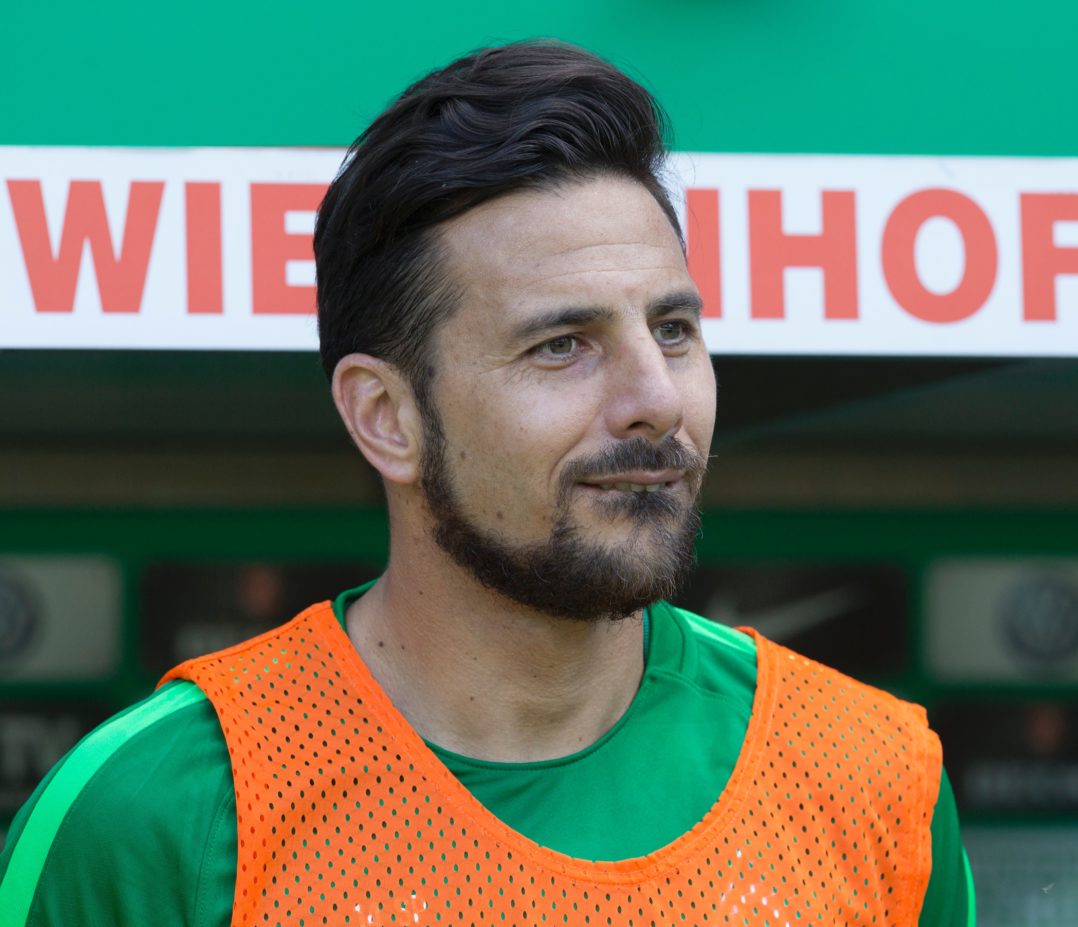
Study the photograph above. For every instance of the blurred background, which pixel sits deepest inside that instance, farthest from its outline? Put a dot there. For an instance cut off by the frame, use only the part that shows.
(909, 516)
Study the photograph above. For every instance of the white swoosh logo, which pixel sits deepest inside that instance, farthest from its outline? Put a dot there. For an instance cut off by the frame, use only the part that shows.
(787, 620)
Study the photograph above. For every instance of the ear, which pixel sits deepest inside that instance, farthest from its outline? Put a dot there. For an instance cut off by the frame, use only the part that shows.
(378, 408)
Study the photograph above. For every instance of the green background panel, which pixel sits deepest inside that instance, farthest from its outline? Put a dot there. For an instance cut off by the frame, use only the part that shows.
(137, 539)
(918, 76)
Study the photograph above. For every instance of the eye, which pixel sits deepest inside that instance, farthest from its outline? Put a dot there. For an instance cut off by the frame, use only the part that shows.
(672, 332)
(562, 346)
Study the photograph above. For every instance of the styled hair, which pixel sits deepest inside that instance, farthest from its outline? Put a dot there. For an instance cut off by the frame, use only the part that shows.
(527, 115)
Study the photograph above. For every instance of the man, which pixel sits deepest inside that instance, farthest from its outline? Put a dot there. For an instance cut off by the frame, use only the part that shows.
(509, 725)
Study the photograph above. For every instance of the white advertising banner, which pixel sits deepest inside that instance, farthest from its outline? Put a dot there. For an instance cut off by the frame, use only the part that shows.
(210, 248)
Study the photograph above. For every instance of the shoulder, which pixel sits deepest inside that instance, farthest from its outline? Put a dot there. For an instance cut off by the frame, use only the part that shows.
(743, 661)
(716, 637)
(726, 661)
(119, 830)
(840, 692)
(707, 671)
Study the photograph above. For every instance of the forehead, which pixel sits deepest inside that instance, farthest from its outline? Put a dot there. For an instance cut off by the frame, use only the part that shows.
(604, 241)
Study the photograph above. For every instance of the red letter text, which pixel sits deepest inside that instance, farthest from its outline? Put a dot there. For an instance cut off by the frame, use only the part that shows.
(120, 280)
(272, 247)
(900, 265)
(203, 206)
(702, 247)
(834, 250)
(1042, 260)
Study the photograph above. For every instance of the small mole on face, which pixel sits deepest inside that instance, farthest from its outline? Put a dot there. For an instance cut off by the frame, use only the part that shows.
(463, 455)
(381, 643)
(499, 516)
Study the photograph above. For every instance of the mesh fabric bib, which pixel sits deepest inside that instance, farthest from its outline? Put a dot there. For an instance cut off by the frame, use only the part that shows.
(344, 816)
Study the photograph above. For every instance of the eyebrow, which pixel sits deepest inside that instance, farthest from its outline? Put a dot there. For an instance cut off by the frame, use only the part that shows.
(568, 317)
(683, 301)
(574, 316)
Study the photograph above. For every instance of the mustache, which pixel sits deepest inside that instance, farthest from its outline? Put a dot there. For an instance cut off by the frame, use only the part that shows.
(635, 454)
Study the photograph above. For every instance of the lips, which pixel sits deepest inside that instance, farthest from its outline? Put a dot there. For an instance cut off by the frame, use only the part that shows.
(640, 482)
(631, 487)
(636, 467)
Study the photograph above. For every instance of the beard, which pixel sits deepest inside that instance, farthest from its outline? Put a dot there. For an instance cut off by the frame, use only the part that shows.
(567, 575)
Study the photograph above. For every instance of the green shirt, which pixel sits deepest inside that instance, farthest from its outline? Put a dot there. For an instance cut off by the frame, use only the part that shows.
(137, 824)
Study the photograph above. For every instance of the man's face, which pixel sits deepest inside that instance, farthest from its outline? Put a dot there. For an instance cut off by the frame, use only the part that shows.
(574, 401)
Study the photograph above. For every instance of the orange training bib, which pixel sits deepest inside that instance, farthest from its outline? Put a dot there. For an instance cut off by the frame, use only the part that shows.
(345, 817)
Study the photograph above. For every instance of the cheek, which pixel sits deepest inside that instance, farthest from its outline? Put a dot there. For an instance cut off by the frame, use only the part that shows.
(700, 405)
(513, 444)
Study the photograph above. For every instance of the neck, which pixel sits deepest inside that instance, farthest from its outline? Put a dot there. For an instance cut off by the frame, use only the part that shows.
(484, 677)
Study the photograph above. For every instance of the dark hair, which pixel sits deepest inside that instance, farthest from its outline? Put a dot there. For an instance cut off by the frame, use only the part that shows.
(531, 114)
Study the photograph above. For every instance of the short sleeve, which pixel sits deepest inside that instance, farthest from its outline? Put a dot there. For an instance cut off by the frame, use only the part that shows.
(948, 901)
(127, 829)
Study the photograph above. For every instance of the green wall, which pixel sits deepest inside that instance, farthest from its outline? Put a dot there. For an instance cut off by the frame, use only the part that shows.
(137, 539)
(916, 76)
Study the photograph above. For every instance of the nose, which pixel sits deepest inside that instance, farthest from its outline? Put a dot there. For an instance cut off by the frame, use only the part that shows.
(644, 397)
